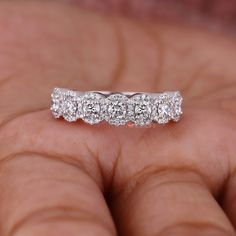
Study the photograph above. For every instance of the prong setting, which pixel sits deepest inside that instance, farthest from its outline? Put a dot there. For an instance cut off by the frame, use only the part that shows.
(70, 106)
(92, 106)
(116, 109)
(141, 105)
(57, 98)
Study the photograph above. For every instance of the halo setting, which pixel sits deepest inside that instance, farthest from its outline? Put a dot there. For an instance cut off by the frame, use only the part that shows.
(117, 109)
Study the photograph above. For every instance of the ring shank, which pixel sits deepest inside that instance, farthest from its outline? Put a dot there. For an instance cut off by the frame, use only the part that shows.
(126, 93)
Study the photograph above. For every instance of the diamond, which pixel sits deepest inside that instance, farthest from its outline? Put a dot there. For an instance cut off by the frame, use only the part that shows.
(163, 109)
(168, 107)
(92, 107)
(70, 106)
(141, 109)
(57, 98)
(116, 112)
(177, 106)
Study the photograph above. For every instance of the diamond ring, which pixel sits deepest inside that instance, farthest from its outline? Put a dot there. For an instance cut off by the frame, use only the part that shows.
(117, 108)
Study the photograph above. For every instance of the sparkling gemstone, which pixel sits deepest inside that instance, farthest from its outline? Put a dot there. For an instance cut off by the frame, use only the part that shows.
(55, 108)
(168, 107)
(116, 109)
(70, 107)
(92, 107)
(142, 109)
(164, 109)
(177, 106)
(57, 98)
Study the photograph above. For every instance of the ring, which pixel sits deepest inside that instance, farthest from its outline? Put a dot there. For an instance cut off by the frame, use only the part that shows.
(117, 108)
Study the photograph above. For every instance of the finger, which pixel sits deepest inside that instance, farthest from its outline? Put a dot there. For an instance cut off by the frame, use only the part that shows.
(73, 54)
(157, 190)
(174, 202)
(138, 56)
(119, 164)
(42, 195)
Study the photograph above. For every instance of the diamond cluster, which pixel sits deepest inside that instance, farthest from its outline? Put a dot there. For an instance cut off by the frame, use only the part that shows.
(117, 108)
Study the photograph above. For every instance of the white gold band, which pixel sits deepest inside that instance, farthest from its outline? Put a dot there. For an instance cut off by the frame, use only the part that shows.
(116, 108)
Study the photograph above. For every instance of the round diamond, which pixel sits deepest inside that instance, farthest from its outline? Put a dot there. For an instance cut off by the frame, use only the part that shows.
(141, 109)
(168, 107)
(92, 107)
(70, 106)
(164, 108)
(177, 106)
(117, 109)
(57, 98)
(55, 108)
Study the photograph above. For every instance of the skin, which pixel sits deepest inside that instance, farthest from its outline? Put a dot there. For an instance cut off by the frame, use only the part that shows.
(76, 179)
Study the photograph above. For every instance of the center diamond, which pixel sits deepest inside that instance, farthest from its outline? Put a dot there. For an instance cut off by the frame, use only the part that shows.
(168, 107)
(177, 106)
(91, 107)
(57, 99)
(142, 109)
(70, 106)
(163, 109)
(116, 109)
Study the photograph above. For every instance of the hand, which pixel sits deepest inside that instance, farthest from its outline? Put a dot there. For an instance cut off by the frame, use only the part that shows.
(177, 179)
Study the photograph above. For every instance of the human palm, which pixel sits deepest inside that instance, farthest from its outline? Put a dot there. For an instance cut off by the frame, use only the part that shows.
(59, 178)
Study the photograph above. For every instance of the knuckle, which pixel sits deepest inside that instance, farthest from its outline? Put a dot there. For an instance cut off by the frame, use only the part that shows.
(36, 133)
(192, 228)
(157, 177)
(60, 219)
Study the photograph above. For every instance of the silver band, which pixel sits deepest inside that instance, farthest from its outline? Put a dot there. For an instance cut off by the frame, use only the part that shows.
(118, 108)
